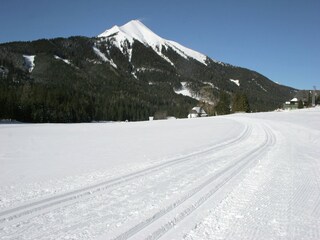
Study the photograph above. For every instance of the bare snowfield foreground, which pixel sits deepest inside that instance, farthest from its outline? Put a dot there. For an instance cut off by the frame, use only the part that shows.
(242, 176)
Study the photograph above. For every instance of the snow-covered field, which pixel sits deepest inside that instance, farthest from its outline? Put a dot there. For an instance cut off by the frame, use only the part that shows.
(242, 176)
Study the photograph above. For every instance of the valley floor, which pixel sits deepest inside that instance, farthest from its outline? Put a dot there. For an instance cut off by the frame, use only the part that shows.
(242, 176)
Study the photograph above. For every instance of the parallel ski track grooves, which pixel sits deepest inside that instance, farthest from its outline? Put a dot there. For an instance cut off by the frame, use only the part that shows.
(234, 170)
(20, 211)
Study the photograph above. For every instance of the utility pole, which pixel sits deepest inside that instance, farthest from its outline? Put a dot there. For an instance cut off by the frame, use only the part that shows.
(314, 96)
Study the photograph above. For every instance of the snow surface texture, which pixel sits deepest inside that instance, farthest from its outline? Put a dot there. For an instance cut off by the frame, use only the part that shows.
(242, 176)
(135, 30)
(29, 61)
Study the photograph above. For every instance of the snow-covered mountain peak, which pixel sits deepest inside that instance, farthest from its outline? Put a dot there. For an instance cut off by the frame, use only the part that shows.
(139, 31)
(115, 29)
(135, 29)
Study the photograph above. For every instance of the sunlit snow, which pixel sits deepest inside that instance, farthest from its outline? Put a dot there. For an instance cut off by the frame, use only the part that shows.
(240, 176)
(29, 61)
(237, 82)
(185, 91)
(187, 52)
(64, 60)
(103, 57)
(138, 31)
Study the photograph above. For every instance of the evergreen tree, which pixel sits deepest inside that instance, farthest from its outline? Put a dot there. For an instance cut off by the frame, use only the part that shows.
(223, 106)
(240, 103)
(309, 102)
(300, 104)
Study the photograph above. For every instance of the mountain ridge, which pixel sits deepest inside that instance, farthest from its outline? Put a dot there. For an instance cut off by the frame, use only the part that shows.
(138, 31)
(125, 73)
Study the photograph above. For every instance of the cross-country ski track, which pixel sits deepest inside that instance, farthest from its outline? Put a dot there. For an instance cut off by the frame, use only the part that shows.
(259, 180)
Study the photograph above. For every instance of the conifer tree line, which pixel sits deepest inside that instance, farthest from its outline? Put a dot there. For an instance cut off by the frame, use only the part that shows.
(39, 103)
(227, 104)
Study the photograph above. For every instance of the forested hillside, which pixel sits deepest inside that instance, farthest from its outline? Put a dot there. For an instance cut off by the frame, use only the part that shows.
(81, 79)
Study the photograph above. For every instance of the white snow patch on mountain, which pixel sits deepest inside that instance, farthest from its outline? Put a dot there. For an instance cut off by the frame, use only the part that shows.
(212, 85)
(29, 61)
(64, 60)
(134, 75)
(209, 83)
(143, 69)
(138, 31)
(103, 57)
(237, 82)
(185, 91)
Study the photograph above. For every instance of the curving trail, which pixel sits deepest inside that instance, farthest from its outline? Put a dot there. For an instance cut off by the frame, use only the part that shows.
(260, 183)
(279, 198)
(66, 198)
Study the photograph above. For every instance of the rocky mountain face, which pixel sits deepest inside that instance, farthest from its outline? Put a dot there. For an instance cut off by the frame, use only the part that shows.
(125, 73)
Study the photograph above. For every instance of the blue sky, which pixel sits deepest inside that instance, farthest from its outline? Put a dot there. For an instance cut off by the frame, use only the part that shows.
(278, 38)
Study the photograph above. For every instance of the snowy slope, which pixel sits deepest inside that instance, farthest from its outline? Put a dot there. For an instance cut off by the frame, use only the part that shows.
(103, 57)
(242, 176)
(135, 30)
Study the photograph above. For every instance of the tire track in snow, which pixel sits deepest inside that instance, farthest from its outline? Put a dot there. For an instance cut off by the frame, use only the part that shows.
(275, 200)
(226, 175)
(67, 198)
(183, 169)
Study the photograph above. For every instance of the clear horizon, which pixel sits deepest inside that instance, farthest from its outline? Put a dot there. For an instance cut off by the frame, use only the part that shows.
(279, 39)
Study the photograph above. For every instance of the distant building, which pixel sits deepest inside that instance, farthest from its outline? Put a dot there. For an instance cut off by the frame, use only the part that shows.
(291, 105)
(197, 112)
